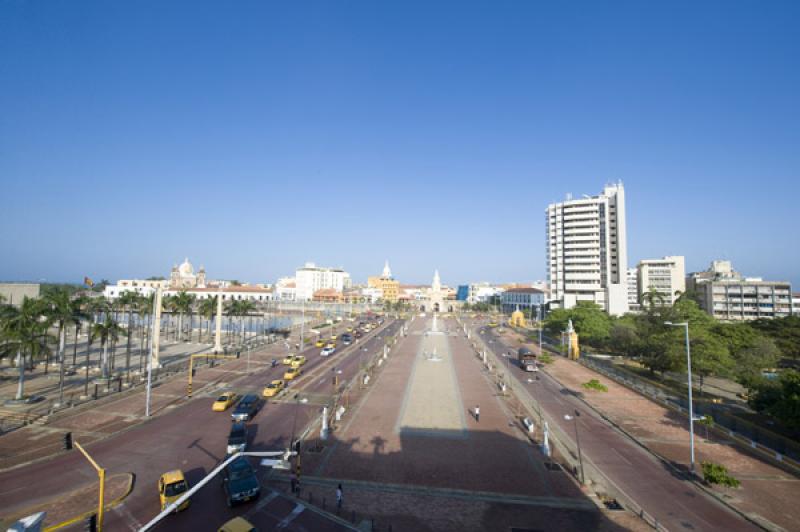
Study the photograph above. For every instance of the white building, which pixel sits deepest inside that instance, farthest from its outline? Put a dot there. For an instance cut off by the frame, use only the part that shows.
(667, 276)
(528, 300)
(728, 295)
(482, 292)
(311, 278)
(286, 289)
(144, 287)
(633, 290)
(587, 253)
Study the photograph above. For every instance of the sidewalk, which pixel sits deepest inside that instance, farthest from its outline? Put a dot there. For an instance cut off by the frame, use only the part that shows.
(767, 494)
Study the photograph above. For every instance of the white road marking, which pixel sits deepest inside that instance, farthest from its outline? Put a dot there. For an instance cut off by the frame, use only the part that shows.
(291, 517)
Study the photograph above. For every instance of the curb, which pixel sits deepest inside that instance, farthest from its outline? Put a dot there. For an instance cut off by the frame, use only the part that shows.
(108, 505)
(663, 460)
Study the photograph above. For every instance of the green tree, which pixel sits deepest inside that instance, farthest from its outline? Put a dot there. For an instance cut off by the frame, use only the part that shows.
(182, 303)
(710, 356)
(59, 309)
(784, 331)
(592, 324)
(624, 337)
(751, 361)
(108, 331)
(24, 335)
(787, 407)
(659, 354)
(128, 301)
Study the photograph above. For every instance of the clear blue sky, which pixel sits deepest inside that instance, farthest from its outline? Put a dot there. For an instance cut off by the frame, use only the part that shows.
(255, 136)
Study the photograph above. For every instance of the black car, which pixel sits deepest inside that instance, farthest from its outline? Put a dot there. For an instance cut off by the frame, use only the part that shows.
(237, 439)
(246, 408)
(347, 339)
(240, 482)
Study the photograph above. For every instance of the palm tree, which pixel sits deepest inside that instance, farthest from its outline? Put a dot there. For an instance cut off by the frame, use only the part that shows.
(207, 308)
(245, 307)
(168, 305)
(144, 308)
(79, 305)
(182, 303)
(24, 333)
(108, 331)
(128, 301)
(59, 309)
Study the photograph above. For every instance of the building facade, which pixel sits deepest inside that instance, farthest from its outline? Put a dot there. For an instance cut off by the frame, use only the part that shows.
(587, 254)
(633, 290)
(311, 278)
(727, 295)
(666, 276)
(528, 300)
(14, 293)
(389, 287)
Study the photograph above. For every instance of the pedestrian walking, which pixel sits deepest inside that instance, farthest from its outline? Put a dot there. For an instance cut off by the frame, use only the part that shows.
(477, 413)
(339, 497)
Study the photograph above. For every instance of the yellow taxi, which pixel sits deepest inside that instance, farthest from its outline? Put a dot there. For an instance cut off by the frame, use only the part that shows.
(292, 373)
(333, 337)
(288, 359)
(320, 343)
(330, 345)
(224, 401)
(493, 324)
(298, 361)
(349, 329)
(272, 389)
(171, 486)
(237, 524)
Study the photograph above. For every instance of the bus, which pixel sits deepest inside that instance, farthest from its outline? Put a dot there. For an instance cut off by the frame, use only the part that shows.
(527, 359)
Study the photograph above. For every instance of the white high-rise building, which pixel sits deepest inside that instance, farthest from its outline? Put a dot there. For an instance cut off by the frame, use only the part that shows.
(587, 252)
(311, 278)
(633, 289)
(667, 276)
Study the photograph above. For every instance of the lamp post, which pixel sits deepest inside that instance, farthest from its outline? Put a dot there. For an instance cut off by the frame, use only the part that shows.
(685, 325)
(577, 441)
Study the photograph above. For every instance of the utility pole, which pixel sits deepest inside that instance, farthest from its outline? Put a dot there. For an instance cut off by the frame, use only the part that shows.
(153, 349)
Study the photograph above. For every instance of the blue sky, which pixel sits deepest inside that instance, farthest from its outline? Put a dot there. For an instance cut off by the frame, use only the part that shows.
(255, 136)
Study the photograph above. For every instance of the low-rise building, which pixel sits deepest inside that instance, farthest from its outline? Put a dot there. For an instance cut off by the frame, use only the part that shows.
(727, 295)
(525, 299)
(328, 295)
(795, 303)
(14, 293)
(666, 276)
(311, 278)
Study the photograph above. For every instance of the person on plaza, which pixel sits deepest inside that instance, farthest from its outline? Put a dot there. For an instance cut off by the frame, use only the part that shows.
(339, 497)
(477, 413)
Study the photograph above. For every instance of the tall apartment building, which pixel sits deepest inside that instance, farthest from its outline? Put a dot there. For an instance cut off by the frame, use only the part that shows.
(727, 295)
(667, 276)
(311, 278)
(587, 253)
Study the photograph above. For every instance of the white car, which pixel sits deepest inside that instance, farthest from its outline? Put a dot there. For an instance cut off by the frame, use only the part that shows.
(327, 351)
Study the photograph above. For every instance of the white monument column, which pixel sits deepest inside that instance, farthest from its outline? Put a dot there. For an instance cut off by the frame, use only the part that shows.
(154, 352)
(218, 327)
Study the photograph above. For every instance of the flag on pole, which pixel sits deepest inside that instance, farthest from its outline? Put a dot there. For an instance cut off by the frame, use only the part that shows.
(88, 282)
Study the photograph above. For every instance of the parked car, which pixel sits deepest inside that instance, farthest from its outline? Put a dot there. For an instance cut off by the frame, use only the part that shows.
(237, 439)
(240, 482)
(224, 401)
(171, 485)
(246, 408)
(327, 351)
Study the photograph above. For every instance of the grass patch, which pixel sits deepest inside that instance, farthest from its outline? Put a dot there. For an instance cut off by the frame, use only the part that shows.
(595, 384)
(544, 358)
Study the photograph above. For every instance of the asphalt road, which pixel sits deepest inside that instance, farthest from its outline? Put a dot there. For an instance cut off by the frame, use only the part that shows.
(674, 502)
(193, 438)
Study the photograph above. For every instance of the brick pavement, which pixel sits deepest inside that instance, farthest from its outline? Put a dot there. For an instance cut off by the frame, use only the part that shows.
(766, 493)
(494, 457)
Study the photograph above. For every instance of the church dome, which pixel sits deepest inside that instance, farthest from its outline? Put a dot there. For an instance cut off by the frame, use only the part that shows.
(186, 268)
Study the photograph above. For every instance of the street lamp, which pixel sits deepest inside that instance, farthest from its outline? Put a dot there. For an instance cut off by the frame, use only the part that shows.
(577, 441)
(685, 325)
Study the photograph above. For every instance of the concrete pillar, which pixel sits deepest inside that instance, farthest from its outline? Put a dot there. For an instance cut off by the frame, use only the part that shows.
(218, 328)
(154, 352)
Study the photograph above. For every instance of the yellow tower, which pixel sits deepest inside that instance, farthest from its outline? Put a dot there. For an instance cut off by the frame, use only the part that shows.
(573, 349)
(517, 318)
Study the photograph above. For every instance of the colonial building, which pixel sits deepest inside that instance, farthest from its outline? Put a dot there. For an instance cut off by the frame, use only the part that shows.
(389, 287)
(183, 276)
(528, 300)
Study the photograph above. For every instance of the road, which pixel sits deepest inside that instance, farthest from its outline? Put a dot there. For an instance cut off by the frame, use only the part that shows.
(193, 438)
(676, 503)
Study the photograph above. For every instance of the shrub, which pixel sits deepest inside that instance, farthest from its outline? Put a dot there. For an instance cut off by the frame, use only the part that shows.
(718, 474)
(595, 384)
(545, 359)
